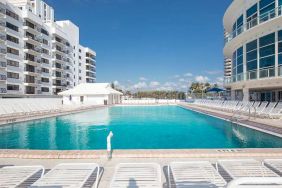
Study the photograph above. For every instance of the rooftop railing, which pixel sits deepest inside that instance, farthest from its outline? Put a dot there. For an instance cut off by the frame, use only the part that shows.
(254, 22)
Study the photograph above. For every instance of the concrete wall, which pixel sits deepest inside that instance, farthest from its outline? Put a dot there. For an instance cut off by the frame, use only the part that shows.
(92, 100)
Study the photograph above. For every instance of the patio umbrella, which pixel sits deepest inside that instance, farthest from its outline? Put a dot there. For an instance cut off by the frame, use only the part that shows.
(215, 90)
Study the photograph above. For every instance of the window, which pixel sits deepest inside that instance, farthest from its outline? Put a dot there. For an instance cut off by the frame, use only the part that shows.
(44, 32)
(237, 27)
(266, 10)
(45, 51)
(13, 75)
(45, 80)
(280, 47)
(45, 70)
(12, 51)
(267, 50)
(29, 79)
(12, 39)
(12, 14)
(44, 41)
(237, 61)
(79, 50)
(45, 89)
(13, 63)
(252, 14)
(45, 61)
(11, 26)
(13, 87)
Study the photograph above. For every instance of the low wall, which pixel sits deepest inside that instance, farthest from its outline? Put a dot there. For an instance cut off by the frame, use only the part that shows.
(150, 101)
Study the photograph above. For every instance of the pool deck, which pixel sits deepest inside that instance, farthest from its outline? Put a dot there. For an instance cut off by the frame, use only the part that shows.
(163, 158)
(270, 126)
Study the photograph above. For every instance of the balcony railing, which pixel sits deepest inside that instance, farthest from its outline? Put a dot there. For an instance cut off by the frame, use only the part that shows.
(3, 90)
(3, 64)
(3, 51)
(3, 77)
(254, 22)
(263, 73)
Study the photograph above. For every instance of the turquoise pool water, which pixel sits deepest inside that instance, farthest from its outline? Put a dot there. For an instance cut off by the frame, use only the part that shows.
(157, 127)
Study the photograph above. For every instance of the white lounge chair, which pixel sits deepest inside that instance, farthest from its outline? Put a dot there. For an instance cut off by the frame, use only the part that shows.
(276, 164)
(13, 176)
(194, 174)
(133, 175)
(256, 182)
(245, 168)
(266, 112)
(261, 107)
(277, 111)
(72, 175)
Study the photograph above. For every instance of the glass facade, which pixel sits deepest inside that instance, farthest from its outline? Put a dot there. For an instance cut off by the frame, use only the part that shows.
(260, 58)
(252, 61)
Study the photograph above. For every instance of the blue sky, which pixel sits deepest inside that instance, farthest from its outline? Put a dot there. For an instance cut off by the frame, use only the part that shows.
(151, 44)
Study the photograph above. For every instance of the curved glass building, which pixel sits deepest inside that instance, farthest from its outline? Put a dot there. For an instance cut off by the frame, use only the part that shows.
(253, 41)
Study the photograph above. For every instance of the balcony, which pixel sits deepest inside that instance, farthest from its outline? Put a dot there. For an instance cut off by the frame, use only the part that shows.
(3, 90)
(2, 38)
(260, 74)
(33, 40)
(32, 61)
(33, 50)
(3, 51)
(3, 64)
(31, 28)
(3, 77)
(274, 13)
(2, 25)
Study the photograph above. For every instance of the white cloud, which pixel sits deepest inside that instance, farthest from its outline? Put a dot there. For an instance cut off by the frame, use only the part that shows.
(176, 76)
(202, 79)
(116, 83)
(140, 85)
(213, 72)
(188, 74)
(143, 79)
(181, 80)
(154, 84)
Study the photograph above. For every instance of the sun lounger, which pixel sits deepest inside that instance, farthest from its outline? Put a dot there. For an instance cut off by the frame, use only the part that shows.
(275, 164)
(133, 175)
(13, 176)
(194, 174)
(69, 175)
(276, 112)
(245, 168)
(256, 182)
(267, 110)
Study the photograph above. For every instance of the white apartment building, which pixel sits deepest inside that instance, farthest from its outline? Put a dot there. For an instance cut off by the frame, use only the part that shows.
(253, 41)
(40, 56)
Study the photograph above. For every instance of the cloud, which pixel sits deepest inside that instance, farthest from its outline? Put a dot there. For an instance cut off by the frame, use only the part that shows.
(176, 76)
(188, 75)
(116, 83)
(143, 79)
(154, 84)
(181, 80)
(202, 79)
(213, 72)
(140, 85)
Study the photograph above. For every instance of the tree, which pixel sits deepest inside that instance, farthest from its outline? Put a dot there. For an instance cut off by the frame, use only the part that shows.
(113, 85)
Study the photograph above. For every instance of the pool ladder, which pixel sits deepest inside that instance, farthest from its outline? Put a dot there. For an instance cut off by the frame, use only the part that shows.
(237, 115)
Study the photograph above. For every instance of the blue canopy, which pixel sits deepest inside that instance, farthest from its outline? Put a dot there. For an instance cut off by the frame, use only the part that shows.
(215, 89)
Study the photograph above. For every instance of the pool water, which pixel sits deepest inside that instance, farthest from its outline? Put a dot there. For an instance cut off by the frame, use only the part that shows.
(138, 127)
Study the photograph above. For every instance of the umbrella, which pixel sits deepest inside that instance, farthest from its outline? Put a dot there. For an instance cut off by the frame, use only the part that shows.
(215, 89)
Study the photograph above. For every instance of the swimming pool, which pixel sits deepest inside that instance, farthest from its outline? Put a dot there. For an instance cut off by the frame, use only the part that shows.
(138, 127)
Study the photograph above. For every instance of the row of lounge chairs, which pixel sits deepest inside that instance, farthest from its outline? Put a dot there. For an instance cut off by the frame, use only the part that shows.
(241, 173)
(31, 107)
(260, 109)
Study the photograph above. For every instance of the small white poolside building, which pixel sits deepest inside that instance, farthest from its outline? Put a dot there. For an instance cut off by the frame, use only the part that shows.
(92, 94)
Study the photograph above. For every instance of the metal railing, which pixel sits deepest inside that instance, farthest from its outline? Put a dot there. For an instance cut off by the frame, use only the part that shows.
(3, 77)
(268, 72)
(254, 22)
(3, 64)
(3, 90)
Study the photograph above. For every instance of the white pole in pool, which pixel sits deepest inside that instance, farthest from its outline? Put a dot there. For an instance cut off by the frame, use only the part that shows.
(109, 145)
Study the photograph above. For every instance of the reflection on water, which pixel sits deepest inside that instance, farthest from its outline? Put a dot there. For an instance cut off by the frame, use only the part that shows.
(157, 127)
